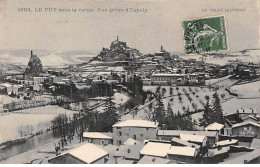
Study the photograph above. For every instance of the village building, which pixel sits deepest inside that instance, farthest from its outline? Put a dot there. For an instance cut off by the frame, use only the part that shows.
(182, 154)
(154, 160)
(246, 129)
(215, 155)
(85, 154)
(179, 142)
(215, 127)
(155, 149)
(196, 139)
(139, 130)
(212, 136)
(245, 112)
(98, 138)
(225, 143)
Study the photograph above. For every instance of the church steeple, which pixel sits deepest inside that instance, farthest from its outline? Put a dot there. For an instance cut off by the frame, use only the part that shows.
(162, 48)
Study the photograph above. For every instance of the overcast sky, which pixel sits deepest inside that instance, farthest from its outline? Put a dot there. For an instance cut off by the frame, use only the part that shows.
(161, 25)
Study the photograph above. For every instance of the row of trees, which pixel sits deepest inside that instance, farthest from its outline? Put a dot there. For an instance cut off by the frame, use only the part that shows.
(167, 119)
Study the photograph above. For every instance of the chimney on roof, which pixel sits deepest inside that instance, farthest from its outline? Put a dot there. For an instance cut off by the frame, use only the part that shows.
(31, 53)
(243, 110)
(154, 159)
(193, 146)
(219, 147)
(230, 139)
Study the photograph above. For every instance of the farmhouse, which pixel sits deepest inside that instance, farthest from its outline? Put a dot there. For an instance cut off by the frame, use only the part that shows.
(182, 154)
(247, 129)
(215, 127)
(196, 139)
(155, 149)
(98, 137)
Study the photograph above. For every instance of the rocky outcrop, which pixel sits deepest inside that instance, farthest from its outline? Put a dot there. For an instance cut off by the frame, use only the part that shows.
(34, 67)
(118, 51)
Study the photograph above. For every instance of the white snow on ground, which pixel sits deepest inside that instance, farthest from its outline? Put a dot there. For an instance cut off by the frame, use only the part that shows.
(249, 90)
(250, 55)
(232, 105)
(176, 105)
(7, 99)
(214, 81)
(39, 118)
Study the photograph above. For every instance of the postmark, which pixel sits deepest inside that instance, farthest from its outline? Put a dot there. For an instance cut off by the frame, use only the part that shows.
(205, 35)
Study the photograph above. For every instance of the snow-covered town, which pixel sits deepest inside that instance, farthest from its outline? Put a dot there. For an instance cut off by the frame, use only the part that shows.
(129, 82)
(125, 107)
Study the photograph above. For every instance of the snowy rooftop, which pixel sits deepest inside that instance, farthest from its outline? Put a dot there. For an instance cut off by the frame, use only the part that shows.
(193, 138)
(155, 149)
(153, 160)
(214, 126)
(226, 142)
(88, 153)
(246, 123)
(178, 132)
(185, 143)
(136, 123)
(185, 151)
(96, 135)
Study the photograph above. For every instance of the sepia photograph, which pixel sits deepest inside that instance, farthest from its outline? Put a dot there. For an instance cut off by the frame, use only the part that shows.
(130, 82)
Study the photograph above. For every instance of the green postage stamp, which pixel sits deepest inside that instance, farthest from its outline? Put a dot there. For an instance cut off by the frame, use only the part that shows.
(205, 35)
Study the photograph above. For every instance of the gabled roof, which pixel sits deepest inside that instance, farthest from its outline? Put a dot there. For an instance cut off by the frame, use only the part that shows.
(185, 151)
(96, 135)
(87, 153)
(214, 126)
(153, 160)
(137, 123)
(184, 143)
(178, 132)
(155, 149)
(192, 138)
(245, 123)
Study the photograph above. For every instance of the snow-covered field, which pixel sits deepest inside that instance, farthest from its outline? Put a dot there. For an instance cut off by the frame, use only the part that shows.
(198, 100)
(248, 55)
(35, 119)
(249, 90)
(232, 105)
